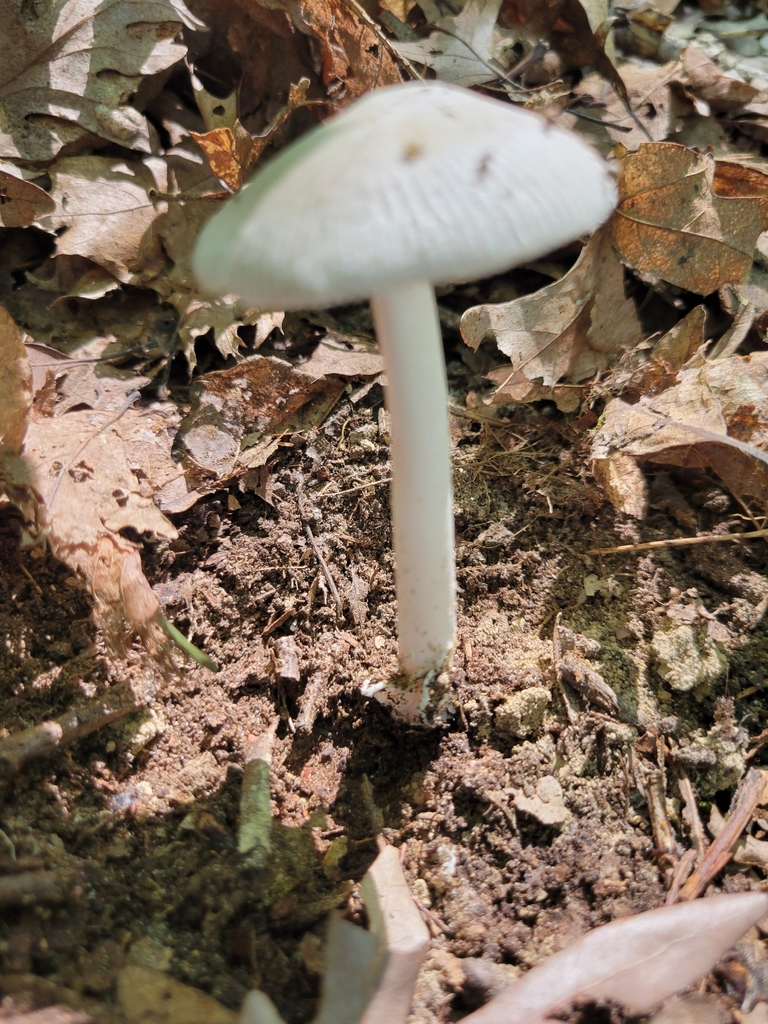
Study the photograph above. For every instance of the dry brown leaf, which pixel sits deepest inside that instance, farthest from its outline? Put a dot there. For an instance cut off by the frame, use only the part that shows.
(715, 417)
(354, 57)
(655, 100)
(572, 29)
(259, 396)
(706, 80)
(670, 353)
(562, 334)
(231, 151)
(105, 207)
(16, 392)
(75, 487)
(68, 67)
(687, 220)
(21, 202)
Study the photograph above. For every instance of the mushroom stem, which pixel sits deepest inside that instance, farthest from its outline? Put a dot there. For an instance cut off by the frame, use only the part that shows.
(408, 330)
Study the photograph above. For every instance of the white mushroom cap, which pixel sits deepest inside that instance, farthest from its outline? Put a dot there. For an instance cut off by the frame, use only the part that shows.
(422, 180)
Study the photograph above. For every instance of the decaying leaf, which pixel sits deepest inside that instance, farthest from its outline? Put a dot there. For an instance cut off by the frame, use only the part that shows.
(222, 316)
(16, 392)
(562, 334)
(258, 396)
(67, 69)
(636, 961)
(105, 207)
(715, 417)
(687, 219)
(75, 487)
(656, 99)
(231, 150)
(354, 57)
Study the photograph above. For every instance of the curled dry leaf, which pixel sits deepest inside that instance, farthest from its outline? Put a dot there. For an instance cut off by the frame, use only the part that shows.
(68, 68)
(636, 961)
(16, 392)
(687, 219)
(21, 202)
(562, 334)
(74, 485)
(231, 150)
(715, 417)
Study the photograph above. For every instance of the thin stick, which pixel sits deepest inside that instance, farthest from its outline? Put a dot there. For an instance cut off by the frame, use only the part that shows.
(353, 490)
(679, 542)
(327, 573)
(38, 740)
(720, 852)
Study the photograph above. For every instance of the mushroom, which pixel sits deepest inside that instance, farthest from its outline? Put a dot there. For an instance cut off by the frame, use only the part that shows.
(412, 185)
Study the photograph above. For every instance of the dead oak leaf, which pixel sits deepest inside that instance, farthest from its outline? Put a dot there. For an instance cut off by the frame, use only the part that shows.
(104, 205)
(231, 408)
(21, 202)
(72, 481)
(461, 48)
(686, 219)
(68, 67)
(231, 150)
(715, 417)
(354, 59)
(561, 335)
(655, 96)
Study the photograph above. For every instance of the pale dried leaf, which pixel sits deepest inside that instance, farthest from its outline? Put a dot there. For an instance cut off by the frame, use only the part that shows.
(222, 316)
(700, 423)
(636, 961)
(146, 995)
(562, 334)
(105, 207)
(68, 68)
(461, 47)
(77, 491)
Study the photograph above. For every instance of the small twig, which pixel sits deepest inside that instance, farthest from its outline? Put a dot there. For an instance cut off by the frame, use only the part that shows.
(663, 837)
(679, 876)
(327, 573)
(679, 542)
(691, 816)
(20, 747)
(719, 853)
(353, 490)
(275, 623)
(254, 828)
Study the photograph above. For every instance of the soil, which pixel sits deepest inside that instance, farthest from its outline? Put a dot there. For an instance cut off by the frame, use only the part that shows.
(121, 847)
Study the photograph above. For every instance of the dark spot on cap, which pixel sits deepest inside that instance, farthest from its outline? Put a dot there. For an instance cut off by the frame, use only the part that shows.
(482, 167)
(412, 152)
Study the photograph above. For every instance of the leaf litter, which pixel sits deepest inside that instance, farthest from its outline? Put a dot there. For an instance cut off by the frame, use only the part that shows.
(241, 489)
